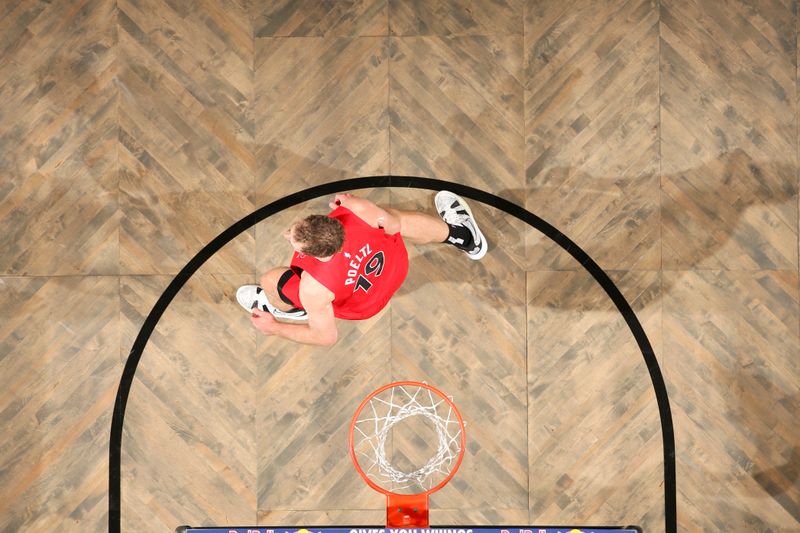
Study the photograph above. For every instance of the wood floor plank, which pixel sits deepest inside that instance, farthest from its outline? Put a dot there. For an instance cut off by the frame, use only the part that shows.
(308, 18)
(59, 381)
(728, 135)
(455, 17)
(189, 448)
(591, 402)
(456, 109)
(734, 393)
(185, 135)
(57, 148)
(322, 123)
(591, 130)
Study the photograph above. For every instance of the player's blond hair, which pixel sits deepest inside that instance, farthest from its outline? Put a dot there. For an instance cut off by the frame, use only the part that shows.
(319, 235)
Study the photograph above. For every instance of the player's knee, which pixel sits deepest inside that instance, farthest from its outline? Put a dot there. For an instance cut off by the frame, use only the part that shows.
(270, 279)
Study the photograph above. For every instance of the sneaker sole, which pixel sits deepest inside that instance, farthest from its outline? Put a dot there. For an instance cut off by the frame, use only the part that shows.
(283, 316)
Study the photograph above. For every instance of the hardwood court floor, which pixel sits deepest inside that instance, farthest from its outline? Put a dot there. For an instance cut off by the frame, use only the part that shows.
(660, 135)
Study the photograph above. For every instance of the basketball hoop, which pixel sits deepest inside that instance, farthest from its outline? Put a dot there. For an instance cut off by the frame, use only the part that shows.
(399, 415)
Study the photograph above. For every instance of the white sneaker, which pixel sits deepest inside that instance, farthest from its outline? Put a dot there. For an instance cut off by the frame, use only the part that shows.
(253, 296)
(456, 212)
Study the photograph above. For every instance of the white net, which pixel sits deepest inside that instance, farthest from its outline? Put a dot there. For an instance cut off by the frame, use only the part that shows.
(402, 426)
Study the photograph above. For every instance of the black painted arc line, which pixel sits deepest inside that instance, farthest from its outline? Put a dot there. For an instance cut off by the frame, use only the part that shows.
(126, 381)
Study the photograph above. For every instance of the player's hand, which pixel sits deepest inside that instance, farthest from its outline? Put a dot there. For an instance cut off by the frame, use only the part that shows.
(264, 321)
(339, 199)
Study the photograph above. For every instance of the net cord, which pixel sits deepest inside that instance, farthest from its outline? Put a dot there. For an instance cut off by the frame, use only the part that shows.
(409, 404)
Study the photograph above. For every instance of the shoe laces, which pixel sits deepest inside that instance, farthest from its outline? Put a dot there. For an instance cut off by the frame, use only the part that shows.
(456, 219)
(452, 217)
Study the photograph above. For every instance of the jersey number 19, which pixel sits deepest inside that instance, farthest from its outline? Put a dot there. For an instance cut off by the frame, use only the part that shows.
(374, 266)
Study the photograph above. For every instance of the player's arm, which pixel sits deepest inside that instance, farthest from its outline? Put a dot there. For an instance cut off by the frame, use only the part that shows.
(320, 329)
(372, 214)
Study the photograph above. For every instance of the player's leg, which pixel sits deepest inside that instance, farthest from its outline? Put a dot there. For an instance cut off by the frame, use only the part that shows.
(456, 226)
(276, 294)
(274, 282)
(416, 227)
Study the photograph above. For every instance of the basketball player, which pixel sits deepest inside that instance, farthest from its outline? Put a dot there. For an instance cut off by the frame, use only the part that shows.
(349, 263)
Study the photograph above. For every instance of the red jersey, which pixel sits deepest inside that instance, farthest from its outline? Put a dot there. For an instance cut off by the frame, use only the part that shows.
(364, 275)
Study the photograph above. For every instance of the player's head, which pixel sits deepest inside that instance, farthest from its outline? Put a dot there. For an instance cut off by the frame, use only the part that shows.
(317, 235)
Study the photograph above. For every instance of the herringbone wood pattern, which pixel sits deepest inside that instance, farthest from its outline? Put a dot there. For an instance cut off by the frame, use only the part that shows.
(606, 439)
(456, 109)
(742, 367)
(591, 126)
(660, 135)
(309, 18)
(302, 110)
(455, 17)
(185, 134)
(60, 377)
(58, 147)
(745, 209)
(193, 403)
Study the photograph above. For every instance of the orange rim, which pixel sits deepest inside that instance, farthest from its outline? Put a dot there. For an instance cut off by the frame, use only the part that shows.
(463, 439)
